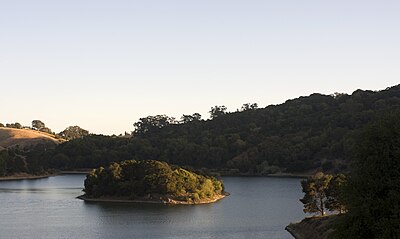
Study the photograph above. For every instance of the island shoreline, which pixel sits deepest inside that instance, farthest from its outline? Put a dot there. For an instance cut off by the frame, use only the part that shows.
(165, 202)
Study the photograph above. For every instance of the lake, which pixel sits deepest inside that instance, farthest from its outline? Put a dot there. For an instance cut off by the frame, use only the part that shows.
(47, 208)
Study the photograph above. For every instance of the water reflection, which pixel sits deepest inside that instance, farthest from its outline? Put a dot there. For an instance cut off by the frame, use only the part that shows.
(47, 208)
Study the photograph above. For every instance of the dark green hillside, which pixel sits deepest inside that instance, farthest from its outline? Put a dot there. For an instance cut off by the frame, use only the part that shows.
(303, 134)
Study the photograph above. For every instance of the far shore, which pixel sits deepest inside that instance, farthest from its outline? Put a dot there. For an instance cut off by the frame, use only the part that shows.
(161, 201)
(26, 177)
(76, 172)
(277, 175)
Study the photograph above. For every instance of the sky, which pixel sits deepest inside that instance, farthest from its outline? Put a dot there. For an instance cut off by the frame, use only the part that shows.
(102, 65)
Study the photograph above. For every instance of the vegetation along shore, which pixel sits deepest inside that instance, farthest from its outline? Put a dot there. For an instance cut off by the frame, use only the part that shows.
(367, 200)
(151, 181)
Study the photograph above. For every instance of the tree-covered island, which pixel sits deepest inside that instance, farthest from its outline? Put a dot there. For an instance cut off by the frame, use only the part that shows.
(151, 181)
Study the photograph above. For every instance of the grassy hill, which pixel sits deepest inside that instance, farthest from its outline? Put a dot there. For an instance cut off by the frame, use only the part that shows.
(10, 137)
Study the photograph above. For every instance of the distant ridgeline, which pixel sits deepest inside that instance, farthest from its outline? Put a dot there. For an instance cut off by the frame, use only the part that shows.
(300, 135)
(153, 181)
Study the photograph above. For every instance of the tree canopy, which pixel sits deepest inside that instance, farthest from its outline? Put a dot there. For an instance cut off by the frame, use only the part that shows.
(37, 124)
(217, 111)
(314, 189)
(307, 134)
(323, 192)
(317, 132)
(15, 125)
(73, 132)
(150, 124)
(372, 195)
(152, 180)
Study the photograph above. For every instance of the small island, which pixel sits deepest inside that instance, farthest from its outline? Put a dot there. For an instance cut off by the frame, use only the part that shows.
(150, 181)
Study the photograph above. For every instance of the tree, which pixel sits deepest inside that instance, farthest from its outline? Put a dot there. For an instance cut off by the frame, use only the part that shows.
(15, 125)
(151, 123)
(315, 188)
(3, 162)
(1, 125)
(189, 118)
(249, 106)
(46, 130)
(372, 194)
(334, 194)
(196, 116)
(217, 111)
(73, 132)
(37, 124)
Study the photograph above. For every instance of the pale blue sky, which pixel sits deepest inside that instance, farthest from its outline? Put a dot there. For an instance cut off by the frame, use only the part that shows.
(104, 64)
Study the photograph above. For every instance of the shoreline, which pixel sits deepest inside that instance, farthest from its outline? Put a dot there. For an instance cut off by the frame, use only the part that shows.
(283, 175)
(26, 177)
(75, 172)
(289, 228)
(165, 202)
(313, 227)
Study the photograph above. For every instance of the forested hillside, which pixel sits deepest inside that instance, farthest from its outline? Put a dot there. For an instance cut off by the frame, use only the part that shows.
(301, 135)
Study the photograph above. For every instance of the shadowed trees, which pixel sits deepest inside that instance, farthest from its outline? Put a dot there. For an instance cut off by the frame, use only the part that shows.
(314, 133)
(249, 106)
(150, 124)
(14, 125)
(217, 111)
(372, 194)
(334, 194)
(189, 118)
(308, 133)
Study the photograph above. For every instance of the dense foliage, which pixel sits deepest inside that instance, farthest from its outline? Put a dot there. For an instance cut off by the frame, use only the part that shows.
(323, 192)
(28, 160)
(73, 132)
(373, 190)
(150, 179)
(304, 134)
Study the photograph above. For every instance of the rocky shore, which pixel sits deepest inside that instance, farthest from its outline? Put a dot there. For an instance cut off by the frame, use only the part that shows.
(161, 200)
(312, 228)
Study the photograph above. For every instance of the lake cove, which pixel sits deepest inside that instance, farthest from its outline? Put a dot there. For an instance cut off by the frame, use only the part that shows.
(257, 208)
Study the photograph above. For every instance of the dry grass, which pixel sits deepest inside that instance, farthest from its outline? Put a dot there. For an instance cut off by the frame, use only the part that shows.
(24, 137)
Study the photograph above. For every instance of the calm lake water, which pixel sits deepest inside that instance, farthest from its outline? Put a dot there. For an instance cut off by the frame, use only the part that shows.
(47, 208)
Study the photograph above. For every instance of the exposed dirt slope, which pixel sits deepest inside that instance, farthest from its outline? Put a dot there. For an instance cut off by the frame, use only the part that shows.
(24, 137)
